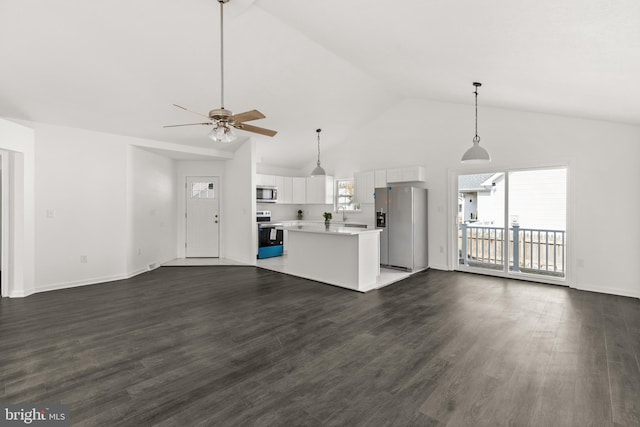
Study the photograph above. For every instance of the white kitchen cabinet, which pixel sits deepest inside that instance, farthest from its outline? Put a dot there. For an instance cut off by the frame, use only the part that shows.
(320, 190)
(284, 185)
(394, 175)
(413, 173)
(285, 235)
(268, 180)
(365, 186)
(380, 178)
(287, 190)
(279, 184)
(406, 174)
(299, 190)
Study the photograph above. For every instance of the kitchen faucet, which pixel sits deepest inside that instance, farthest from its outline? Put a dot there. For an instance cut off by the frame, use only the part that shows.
(344, 212)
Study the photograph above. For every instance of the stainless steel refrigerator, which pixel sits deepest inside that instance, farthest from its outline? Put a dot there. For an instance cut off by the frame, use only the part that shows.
(401, 213)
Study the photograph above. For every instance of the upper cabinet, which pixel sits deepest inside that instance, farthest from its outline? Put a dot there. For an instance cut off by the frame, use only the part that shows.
(299, 190)
(367, 182)
(284, 185)
(268, 180)
(406, 174)
(394, 175)
(365, 186)
(320, 190)
(380, 178)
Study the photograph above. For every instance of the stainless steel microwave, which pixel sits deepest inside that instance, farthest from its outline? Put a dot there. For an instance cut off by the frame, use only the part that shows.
(266, 194)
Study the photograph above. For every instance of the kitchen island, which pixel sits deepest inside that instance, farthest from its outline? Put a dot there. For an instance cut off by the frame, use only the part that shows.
(339, 255)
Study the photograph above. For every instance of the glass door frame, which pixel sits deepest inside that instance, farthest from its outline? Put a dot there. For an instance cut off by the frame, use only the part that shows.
(453, 262)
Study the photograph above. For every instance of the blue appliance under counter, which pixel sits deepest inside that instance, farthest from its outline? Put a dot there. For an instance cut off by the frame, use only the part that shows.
(270, 251)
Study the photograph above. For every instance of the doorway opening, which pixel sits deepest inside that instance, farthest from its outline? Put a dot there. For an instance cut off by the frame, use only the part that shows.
(513, 223)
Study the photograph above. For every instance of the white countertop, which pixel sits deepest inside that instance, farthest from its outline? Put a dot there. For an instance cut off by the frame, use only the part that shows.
(333, 229)
(296, 222)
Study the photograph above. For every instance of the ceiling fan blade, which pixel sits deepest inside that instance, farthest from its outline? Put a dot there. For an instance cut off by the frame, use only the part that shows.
(255, 129)
(194, 112)
(247, 116)
(189, 124)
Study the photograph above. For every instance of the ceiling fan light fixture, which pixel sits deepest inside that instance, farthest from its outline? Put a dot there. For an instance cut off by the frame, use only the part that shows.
(318, 171)
(223, 134)
(476, 154)
(222, 119)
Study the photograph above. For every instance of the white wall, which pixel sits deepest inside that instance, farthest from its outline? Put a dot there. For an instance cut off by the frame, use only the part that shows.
(19, 231)
(602, 159)
(238, 213)
(81, 206)
(151, 193)
(98, 196)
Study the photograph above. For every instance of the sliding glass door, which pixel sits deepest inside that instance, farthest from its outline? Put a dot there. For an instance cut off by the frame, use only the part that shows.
(481, 221)
(513, 223)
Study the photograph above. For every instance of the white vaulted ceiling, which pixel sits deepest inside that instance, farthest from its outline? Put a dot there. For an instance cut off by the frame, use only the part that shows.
(117, 66)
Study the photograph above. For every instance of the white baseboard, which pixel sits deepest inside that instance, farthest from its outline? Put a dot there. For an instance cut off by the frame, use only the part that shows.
(78, 283)
(20, 294)
(606, 290)
(442, 267)
(86, 282)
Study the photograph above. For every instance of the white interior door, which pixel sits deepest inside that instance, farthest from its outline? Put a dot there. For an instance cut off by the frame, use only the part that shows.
(202, 217)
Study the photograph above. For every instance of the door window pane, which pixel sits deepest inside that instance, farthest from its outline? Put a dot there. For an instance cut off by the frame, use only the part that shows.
(538, 216)
(202, 190)
(481, 220)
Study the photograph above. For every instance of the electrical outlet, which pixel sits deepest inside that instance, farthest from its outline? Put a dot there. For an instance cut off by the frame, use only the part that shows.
(51, 213)
(580, 262)
(139, 251)
(441, 249)
(83, 259)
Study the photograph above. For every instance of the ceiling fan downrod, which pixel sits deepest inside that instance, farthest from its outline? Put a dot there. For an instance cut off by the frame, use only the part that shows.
(222, 2)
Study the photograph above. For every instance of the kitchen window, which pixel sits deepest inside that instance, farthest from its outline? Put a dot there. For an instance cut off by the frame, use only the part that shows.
(345, 191)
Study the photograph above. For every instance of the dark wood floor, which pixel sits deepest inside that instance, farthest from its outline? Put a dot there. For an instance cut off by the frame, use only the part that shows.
(221, 346)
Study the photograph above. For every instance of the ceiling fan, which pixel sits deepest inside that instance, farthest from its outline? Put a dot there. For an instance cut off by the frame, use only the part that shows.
(223, 120)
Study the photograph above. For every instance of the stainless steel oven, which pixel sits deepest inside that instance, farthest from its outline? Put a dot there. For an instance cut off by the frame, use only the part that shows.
(270, 236)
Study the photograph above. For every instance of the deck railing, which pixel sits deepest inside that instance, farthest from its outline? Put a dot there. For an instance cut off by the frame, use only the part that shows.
(531, 250)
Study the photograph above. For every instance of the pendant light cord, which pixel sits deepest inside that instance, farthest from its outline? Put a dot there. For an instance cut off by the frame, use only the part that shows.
(476, 138)
(318, 130)
(221, 55)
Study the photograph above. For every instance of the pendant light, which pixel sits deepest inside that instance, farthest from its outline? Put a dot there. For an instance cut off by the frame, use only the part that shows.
(318, 171)
(476, 154)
